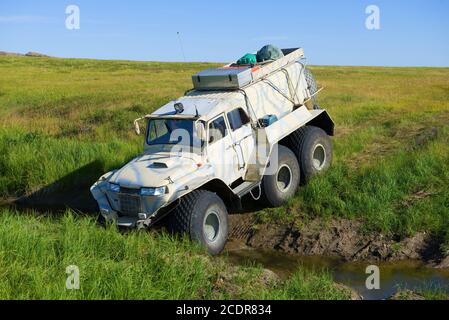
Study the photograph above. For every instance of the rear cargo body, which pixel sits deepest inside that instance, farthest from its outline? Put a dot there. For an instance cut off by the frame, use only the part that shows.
(275, 88)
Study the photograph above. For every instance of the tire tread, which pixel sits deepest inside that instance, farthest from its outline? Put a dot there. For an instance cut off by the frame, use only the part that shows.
(180, 218)
(297, 141)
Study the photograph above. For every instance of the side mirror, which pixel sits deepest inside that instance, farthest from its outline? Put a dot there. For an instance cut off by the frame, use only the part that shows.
(201, 130)
(136, 127)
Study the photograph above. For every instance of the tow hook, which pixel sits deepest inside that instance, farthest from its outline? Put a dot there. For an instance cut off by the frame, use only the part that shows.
(142, 216)
(144, 222)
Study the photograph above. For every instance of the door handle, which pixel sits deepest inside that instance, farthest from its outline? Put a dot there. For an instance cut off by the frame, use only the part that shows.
(238, 142)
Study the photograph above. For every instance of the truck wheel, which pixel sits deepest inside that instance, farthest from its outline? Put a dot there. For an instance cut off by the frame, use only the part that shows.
(312, 86)
(280, 186)
(203, 216)
(313, 147)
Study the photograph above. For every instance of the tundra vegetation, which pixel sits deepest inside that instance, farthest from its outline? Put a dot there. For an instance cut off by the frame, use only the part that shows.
(64, 122)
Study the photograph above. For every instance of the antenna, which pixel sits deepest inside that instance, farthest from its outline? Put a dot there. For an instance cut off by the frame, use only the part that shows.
(182, 48)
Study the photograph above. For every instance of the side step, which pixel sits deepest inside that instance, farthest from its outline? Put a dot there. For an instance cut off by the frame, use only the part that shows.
(245, 188)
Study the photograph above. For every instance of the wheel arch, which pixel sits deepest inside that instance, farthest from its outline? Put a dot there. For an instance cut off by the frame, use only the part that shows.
(220, 188)
(323, 121)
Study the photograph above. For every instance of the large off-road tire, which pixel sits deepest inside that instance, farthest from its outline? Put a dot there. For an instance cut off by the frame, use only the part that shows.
(313, 148)
(312, 86)
(203, 216)
(277, 188)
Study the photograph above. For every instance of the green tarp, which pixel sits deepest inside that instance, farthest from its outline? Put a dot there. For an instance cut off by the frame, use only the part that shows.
(269, 52)
(248, 58)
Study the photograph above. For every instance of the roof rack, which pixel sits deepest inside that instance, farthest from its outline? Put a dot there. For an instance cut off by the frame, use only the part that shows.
(231, 76)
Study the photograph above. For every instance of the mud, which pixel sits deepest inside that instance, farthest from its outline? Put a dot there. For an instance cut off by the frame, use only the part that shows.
(344, 239)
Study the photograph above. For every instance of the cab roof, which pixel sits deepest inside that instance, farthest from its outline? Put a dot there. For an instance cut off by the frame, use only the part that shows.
(206, 105)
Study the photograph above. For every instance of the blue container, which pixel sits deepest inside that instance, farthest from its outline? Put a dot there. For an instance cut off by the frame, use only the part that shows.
(268, 120)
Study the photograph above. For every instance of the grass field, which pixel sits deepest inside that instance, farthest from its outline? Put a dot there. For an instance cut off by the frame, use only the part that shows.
(35, 251)
(64, 122)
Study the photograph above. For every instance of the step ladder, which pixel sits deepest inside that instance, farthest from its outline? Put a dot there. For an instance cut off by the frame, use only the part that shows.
(244, 188)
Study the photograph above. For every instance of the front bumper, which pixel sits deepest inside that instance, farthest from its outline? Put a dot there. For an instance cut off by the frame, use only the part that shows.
(127, 208)
(126, 221)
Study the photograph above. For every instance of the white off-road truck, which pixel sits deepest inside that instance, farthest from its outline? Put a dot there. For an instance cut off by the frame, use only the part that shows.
(252, 130)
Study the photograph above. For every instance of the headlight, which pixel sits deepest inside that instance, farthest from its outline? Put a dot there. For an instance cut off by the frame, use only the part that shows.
(114, 187)
(153, 191)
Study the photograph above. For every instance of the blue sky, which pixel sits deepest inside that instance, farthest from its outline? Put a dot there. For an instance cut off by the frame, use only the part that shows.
(412, 33)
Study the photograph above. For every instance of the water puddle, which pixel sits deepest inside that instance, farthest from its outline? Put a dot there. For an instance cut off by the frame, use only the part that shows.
(393, 275)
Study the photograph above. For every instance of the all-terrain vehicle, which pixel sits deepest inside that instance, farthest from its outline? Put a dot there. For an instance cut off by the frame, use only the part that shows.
(244, 130)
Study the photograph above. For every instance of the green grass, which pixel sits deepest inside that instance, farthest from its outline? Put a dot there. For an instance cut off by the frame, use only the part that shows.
(391, 164)
(60, 115)
(383, 193)
(434, 294)
(64, 122)
(36, 250)
(422, 294)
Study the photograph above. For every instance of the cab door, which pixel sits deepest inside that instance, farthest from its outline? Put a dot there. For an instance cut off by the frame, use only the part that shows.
(242, 136)
(220, 150)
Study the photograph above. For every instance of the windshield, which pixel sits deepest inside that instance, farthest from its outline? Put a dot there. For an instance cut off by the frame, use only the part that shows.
(174, 132)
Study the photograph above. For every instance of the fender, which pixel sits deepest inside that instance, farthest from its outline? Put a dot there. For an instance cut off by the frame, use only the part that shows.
(282, 128)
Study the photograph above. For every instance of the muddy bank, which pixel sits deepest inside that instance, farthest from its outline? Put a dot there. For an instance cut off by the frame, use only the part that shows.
(340, 238)
(395, 276)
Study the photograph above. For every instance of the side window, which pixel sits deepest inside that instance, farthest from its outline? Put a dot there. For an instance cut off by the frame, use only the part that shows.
(237, 118)
(217, 130)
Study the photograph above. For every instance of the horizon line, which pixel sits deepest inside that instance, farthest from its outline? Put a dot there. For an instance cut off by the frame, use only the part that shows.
(24, 55)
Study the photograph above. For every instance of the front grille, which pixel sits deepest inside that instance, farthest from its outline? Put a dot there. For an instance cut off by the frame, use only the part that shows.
(130, 205)
(129, 190)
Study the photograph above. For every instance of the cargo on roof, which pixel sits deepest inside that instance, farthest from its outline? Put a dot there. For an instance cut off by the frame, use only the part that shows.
(273, 88)
(236, 76)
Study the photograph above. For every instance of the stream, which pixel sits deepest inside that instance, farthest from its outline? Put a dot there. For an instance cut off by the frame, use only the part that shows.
(407, 274)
